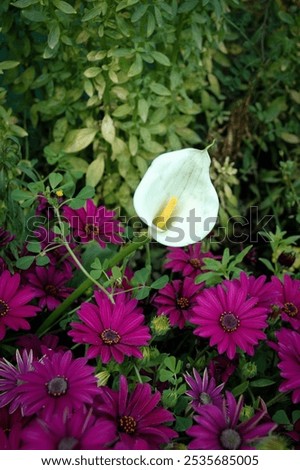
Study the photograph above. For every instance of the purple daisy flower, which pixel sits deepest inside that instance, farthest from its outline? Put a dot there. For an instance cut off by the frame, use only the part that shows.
(111, 330)
(13, 303)
(78, 431)
(11, 425)
(220, 428)
(10, 379)
(288, 350)
(187, 261)
(57, 384)
(139, 423)
(221, 368)
(229, 319)
(94, 223)
(5, 237)
(288, 299)
(265, 292)
(203, 390)
(177, 300)
(50, 286)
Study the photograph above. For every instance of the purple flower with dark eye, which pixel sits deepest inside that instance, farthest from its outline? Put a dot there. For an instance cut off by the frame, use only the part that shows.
(14, 308)
(176, 300)
(79, 430)
(288, 299)
(57, 384)
(113, 331)
(221, 429)
(203, 390)
(229, 319)
(187, 261)
(139, 422)
(49, 285)
(10, 379)
(288, 350)
(11, 425)
(94, 223)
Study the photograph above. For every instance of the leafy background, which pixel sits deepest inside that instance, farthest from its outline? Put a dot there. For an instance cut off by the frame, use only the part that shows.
(97, 89)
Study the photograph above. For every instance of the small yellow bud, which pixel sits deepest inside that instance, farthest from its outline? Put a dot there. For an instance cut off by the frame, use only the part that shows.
(102, 377)
(59, 193)
(160, 325)
(273, 443)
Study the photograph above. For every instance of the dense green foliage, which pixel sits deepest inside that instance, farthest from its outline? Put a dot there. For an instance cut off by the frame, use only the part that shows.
(98, 89)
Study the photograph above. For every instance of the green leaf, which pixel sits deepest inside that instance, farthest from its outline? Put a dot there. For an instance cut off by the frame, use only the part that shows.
(183, 423)
(55, 179)
(126, 3)
(25, 262)
(20, 195)
(142, 293)
(137, 66)
(64, 7)
(34, 247)
(290, 138)
(280, 417)
(239, 389)
(36, 187)
(92, 72)
(159, 89)
(170, 363)
(90, 14)
(24, 3)
(141, 276)
(160, 283)
(53, 36)
(86, 193)
(143, 109)
(78, 139)
(165, 375)
(239, 258)
(161, 58)
(108, 129)
(95, 171)
(262, 383)
(268, 264)
(42, 260)
(139, 12)
(35, 15)
(8, 64)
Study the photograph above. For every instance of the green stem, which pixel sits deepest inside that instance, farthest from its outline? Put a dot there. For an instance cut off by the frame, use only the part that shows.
(275, 399)
(137, 374)
(115, 260)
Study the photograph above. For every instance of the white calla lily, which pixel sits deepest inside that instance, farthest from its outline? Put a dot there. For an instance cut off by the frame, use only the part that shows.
(177, 199)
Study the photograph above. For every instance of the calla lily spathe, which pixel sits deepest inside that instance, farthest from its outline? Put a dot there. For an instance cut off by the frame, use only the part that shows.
(177, 199)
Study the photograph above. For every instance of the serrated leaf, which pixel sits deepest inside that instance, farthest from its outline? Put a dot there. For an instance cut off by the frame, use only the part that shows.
(25, 262)
(95, 171)
(78, 139)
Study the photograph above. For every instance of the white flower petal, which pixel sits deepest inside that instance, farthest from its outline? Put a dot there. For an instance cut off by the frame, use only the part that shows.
(183, 174)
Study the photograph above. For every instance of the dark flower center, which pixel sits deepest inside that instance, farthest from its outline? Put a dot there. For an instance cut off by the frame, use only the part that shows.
(204, 398)
(3, 308)
(230, 439)
(229, 322)
(289, 308)
(57, 386)
(91, 229)
(195, 262)
(67, 443)
(183, 303)
(109, 336)
(127, 424)
(51, 290)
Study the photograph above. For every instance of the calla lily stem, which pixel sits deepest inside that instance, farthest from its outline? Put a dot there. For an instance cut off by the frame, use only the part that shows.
(125, 251)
